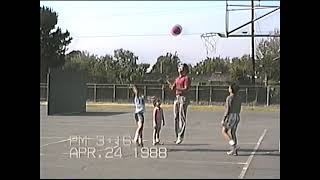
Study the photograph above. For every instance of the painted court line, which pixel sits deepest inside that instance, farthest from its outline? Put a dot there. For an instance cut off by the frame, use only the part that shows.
(95, 125)
(200, 162)
(55, 142)
(60, 142)
(246, 166)
(52, 137)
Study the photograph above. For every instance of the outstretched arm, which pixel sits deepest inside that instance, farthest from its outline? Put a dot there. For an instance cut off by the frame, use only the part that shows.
(134, 89)
(171, 86)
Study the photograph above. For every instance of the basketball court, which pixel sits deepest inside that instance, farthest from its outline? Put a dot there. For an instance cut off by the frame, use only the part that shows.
(201, 155)
(96, 143)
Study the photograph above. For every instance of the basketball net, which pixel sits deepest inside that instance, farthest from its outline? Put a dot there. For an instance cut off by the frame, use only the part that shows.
(210, 40)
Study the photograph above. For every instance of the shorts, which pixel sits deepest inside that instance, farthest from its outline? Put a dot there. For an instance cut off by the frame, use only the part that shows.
(231, 121)
(157, 127)
(139, 117)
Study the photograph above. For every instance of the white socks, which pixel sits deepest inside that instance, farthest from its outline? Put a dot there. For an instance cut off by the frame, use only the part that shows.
(231, 142)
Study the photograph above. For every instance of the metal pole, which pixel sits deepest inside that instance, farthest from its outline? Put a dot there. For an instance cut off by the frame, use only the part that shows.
(95, 93)
(128, 93)
(246, 95)
(114, 93)
(252, 42)
(145, 90)
(210, 99)
(268, 95)
(227, 19)
(162, 93)
(197, 93)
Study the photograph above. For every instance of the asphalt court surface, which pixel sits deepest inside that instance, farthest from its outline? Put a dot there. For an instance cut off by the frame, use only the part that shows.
(96, 144)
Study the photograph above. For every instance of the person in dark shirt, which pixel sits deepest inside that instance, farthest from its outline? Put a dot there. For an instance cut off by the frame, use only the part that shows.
(231, 118)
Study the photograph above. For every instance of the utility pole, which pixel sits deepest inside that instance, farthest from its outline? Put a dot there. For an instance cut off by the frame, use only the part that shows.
(252, 43)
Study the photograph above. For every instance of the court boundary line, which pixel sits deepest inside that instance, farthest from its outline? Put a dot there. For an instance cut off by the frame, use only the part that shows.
(53, 137)
(246, 166)
(56, 142)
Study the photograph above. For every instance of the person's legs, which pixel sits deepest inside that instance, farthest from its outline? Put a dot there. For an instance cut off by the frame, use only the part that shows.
(176, 117)
(141, 133)
(234, 137)
(154, 136)
(233, 133)
(234, 120)
(158, 135)
(225, 134)
(136, 135)
(183, 119)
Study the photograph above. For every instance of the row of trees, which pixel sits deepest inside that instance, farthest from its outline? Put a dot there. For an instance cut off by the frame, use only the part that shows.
(123, 66)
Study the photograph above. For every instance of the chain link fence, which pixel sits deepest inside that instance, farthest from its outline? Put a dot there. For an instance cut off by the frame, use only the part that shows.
(198, 94)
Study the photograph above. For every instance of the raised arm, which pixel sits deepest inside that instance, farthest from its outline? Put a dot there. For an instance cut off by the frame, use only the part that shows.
(134, 89)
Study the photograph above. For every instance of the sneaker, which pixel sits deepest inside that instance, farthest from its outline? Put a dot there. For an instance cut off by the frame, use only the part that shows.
(135, 141)
(179, 141)
(233, 152)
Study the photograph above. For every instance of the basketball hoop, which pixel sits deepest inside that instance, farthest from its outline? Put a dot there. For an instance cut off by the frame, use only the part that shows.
(210, 41)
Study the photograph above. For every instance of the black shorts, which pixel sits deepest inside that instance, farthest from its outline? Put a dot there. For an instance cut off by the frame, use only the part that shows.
(139, 117)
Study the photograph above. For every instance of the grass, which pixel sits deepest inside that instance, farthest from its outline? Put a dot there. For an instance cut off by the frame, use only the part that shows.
(244, 108)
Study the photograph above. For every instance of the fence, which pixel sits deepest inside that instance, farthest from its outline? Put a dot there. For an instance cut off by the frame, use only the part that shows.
(198, 94)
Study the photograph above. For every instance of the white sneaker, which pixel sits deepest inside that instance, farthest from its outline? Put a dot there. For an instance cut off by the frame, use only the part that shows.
(135, 140)
(231, 142)
(234, 151)
(179, 140)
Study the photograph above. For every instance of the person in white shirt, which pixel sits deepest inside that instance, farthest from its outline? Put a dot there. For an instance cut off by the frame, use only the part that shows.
(139, 115)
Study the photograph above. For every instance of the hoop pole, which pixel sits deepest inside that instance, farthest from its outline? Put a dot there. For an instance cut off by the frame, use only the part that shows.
(252, 43)
(227, 18)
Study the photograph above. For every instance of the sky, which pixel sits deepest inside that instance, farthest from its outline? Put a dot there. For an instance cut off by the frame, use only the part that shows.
(143, 27)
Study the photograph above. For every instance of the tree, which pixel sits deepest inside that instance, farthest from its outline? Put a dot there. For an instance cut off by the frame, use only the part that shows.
(209, 66)
(81, 60)
(125, 64)
(53, 42)
(166, 65)
(122, 68)
(240, 69)
(268, 58)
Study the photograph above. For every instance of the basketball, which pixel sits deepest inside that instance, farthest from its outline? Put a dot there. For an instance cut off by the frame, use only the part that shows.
(176, 30)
